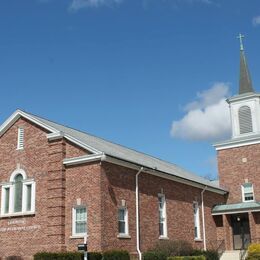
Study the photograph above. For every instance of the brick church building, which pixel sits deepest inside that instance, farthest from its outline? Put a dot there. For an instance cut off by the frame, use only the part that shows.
(59, 186)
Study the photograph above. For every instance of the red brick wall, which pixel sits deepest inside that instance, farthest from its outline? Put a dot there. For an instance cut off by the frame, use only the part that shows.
(34, 160)
(74, 151)
(119, 183)
(233, 171)
(84, 183)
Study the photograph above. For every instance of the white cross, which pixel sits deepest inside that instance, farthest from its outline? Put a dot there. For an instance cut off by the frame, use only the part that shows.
(240, 37)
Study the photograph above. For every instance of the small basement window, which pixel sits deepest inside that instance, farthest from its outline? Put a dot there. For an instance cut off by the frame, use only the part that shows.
(247, 192)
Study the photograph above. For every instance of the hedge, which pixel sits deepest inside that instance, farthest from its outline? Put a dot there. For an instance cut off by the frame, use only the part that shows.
(58, 256)
(209, 254)
(66, 256)
(200, 257)
(154, 255)
(116, 255)
(253, 256)
(95, 256)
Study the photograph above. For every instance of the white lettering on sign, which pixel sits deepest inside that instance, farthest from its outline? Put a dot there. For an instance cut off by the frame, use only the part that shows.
(15, 222)
(28, 228)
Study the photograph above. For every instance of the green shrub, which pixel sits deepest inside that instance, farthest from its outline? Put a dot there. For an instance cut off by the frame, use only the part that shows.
(58, 256)
(253, 256)
(200, 257)
(94, 256)
(209, 254)
(116, 255)
(154, 255)
(254, 248)
(174, 247)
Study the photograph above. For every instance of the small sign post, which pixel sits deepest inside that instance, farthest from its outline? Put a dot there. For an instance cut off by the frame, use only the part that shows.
(84, 248)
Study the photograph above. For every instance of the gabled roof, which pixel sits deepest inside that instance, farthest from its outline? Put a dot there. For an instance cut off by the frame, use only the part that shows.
(98, 145)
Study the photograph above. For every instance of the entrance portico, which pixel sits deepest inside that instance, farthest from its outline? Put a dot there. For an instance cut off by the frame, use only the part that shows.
(240, 224)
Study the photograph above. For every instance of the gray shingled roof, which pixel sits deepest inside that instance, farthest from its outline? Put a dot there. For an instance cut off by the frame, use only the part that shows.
(126, 154)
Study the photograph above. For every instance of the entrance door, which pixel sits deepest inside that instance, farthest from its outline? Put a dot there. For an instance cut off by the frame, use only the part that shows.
(241, 231)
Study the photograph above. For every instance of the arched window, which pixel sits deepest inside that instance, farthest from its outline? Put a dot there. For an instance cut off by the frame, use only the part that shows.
(245, 120)
(18, 195)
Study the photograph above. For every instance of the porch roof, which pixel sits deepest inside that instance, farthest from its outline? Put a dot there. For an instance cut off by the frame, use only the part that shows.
(236, 208)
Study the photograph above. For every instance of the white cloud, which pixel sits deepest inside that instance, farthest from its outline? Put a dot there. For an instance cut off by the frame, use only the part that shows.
(206, 118)
(79, 4)
(256, 20)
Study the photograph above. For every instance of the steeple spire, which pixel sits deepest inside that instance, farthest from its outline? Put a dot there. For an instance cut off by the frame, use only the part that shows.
(245, 83)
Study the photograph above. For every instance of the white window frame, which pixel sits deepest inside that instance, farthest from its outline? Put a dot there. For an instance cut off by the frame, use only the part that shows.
(74, 210)
(10, 185)
(196, 219)
(126, 233)
(164, 213)
(243, 193)
(20, 138)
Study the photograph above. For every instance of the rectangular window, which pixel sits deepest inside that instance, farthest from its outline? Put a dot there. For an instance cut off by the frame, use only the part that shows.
(123, 221)
(7, 198)
(29, 198)
(79, 221)
(247, 192)
(196, 213)
(162, 216)
(20, 141)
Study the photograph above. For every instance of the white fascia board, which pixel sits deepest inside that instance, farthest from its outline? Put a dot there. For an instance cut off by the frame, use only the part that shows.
(235, 212)
(161, 174)
(238, 143)
(81, 144)
(243, 97)
(16, 115)
(82, 159)
(55, 136)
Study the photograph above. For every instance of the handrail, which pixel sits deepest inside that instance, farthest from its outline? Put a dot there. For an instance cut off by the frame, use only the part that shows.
(242, 253)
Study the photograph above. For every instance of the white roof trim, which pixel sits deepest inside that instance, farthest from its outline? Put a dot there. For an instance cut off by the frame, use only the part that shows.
(55, 134)
(237, 143)
(164, 175)
(82, 159)
(79, 143)
(16, 115)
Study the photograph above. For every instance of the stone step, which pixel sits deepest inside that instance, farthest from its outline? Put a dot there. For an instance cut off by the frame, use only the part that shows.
(231, 255)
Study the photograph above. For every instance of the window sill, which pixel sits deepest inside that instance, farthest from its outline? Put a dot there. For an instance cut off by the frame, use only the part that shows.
(198, 240)
(163, 238)
(18, 214)
(123, 236)
(78, 236)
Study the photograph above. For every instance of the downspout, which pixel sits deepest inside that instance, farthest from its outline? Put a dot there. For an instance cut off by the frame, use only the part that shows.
(203, 219)
(137, 214)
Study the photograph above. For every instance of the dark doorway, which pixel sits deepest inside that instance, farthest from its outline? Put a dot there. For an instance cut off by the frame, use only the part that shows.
(241, 231)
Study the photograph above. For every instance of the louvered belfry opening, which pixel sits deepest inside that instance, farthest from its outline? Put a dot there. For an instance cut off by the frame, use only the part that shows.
(245, 120)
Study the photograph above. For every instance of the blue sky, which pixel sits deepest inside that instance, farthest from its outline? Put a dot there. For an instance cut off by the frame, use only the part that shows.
(149, 74)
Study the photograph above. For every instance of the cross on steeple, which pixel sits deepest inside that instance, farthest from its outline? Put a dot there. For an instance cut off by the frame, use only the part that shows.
(240, 37)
